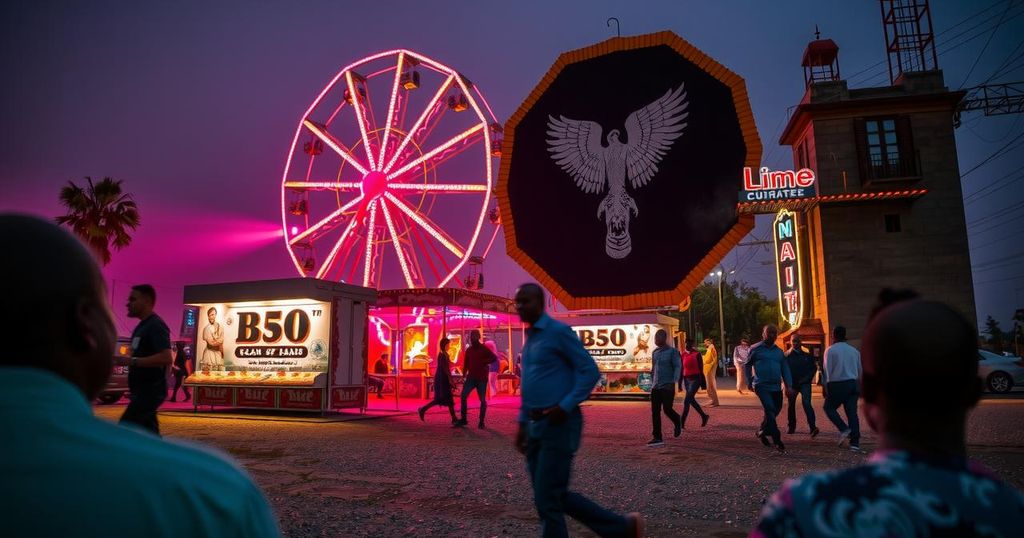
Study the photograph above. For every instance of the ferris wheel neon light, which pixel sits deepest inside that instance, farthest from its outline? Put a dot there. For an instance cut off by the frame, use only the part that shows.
(380, 197)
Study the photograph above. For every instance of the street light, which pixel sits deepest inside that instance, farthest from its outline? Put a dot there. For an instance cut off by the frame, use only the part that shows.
(721, 315)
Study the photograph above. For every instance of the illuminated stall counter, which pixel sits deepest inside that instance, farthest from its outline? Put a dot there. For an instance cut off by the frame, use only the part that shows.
(296, 344)
(622, 345)
(406, 325)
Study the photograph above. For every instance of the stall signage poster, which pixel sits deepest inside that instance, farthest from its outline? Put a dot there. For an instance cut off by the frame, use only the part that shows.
(301, 398)
(351, 396)
(270, 337)
(766, 185)
(787, 262)
(214, 395)
(619, 347)
(255, 397)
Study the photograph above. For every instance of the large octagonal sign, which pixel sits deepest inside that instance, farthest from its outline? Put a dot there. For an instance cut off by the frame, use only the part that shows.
(618, 177)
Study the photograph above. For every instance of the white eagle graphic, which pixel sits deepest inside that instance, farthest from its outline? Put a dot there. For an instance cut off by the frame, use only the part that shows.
(577, 146)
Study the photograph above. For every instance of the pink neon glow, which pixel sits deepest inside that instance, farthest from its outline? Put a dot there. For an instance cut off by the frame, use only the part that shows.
(391, 110)
(330, 141)
(371, 230)
(295, 142)
(357, 106)
(455, 140)
(395, 157)
(440, 187)
(334, 251)
(335, 214)
(423, 116)
(419, 219)
(398, 248)
(315, 185)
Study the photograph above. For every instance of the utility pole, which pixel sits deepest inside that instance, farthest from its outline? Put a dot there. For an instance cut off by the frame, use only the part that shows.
(721, 314)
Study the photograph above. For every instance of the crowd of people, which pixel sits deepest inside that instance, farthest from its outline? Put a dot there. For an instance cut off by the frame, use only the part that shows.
(918, 483)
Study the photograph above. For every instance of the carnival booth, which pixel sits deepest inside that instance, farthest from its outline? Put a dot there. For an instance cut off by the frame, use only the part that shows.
(296, 344)
(406, 326)
(622, 345)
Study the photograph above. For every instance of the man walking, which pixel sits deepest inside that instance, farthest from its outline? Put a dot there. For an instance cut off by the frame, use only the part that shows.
(711, 370)
(769, 370)
(842, 376)
(477, 357)
(666, 367)
(739, 360)
(802, 367)
(558, 374)
(151, 355)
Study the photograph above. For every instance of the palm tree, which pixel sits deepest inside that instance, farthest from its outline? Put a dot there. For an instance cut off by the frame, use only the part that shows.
(100, 214)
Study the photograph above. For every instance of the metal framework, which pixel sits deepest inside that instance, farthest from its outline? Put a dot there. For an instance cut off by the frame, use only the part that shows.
(371, 199)
(909, 38)
(993, 100)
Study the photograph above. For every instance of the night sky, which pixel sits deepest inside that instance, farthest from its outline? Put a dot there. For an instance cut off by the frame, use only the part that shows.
(193, 105)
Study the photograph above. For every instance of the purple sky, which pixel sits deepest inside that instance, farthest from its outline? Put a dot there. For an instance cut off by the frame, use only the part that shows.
(193, 105)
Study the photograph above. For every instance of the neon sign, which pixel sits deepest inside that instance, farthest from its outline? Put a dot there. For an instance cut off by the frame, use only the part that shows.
(787, 262)
(777, 184)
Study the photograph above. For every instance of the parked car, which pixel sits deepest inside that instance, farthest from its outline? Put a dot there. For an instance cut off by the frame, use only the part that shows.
(117, 385)
(1000, 373)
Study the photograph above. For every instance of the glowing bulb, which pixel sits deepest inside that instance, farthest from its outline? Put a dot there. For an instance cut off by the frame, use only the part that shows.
(295, 230)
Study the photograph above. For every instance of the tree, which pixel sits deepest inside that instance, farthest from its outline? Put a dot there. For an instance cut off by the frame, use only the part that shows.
(995, 334)
(100, 214)
(744, 308)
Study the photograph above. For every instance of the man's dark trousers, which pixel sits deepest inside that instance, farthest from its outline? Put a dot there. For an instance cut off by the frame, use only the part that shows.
(549, 452)
(844, 393)
(480, 386)
(143, 405)
(804, 391)
(771, 402)
(661, 400)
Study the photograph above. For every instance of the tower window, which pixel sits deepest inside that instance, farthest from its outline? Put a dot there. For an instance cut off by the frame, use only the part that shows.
(892, 224)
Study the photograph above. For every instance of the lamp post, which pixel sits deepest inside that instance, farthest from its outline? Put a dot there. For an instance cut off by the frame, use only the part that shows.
(721, 314)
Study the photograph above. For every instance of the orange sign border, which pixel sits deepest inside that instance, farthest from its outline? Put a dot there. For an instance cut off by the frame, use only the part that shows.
(744, 223)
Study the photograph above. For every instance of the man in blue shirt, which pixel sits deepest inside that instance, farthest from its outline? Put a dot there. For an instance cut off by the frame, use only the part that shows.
(768, 365)
(802, 367)
(666, 366)
(558, 374)
(56, 456)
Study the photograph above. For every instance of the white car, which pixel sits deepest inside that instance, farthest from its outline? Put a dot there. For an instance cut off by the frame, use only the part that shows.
(1000, 373)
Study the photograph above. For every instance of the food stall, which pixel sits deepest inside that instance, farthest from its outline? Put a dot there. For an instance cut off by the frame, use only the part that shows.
(406, 325)
(622, 345)
(295, 344)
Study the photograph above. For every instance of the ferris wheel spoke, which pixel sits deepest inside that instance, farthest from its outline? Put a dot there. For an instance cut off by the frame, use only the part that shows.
(326, 223)
(427, 226)
(323, 185)
(334, 251)
(398, 248)
(426, 112)
(439, 187)
(334, 144)
(360, 119)
(391, 110)
(436, 151)
(371, 232)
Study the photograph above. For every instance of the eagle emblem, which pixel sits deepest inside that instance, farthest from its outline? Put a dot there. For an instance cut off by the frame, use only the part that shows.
(577, 146)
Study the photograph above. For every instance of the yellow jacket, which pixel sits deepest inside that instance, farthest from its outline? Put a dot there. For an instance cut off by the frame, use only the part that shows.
(711, 356)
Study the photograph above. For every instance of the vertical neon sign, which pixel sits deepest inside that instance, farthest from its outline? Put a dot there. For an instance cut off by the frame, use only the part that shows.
(787, 264)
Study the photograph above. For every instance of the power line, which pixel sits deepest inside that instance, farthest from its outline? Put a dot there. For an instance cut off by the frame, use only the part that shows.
(1001, 213)
(996, 154)
(971, 199)
(995, 29)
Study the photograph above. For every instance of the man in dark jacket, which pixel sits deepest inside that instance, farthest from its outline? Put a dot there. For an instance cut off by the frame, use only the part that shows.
(477, 358)
(802, 367)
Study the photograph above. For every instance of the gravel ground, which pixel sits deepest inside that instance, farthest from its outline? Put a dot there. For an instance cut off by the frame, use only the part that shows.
(397, 476)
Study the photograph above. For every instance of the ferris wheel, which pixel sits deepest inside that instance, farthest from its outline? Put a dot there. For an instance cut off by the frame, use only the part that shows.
(389, 176)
